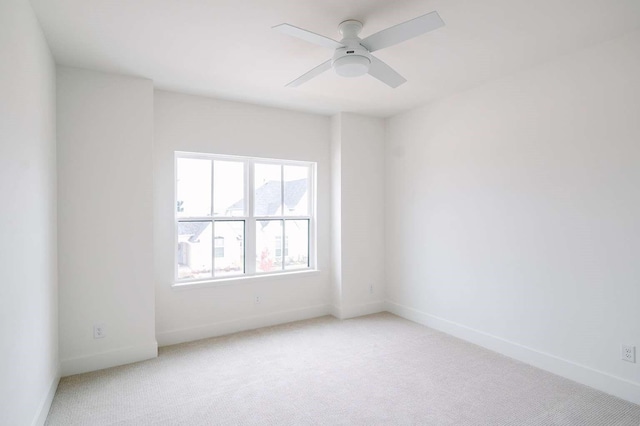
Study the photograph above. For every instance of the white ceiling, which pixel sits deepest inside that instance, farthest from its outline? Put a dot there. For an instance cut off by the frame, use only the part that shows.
(226, 48)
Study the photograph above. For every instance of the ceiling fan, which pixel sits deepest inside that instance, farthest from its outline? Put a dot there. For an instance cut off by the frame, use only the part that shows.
(352, 56)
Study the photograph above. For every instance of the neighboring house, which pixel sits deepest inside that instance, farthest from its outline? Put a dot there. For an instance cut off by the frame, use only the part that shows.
(194, 256)
(269, 245)
(195, 249)
(195, 246)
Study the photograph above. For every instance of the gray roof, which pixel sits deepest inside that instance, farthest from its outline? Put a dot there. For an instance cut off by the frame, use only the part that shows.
(192, 228)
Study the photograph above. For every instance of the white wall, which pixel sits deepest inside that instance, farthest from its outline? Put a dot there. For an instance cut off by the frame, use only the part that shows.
(198, 124)
(28, 285)
(513, 215)
(105, 219)
(358, 214)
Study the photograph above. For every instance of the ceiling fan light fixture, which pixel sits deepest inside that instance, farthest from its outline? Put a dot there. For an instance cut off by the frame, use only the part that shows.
(352, 66)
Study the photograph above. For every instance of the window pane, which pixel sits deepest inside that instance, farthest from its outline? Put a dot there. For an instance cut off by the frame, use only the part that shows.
(218, 245)
(296, 190)
(228, 188)
(268, 245)
(194, 250)
(229, 248)
(296, 247)
(194, 187)
(268, 190)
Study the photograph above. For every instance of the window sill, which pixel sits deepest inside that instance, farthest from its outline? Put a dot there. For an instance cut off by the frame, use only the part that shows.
(220, 282)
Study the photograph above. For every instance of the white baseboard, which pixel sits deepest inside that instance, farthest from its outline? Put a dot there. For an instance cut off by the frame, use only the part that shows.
(600, 380)
(172, 337)
(45, 405)
(352, 311)
(112, 358)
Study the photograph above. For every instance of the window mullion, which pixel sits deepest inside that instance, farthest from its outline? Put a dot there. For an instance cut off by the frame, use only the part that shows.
(250, 224)
(282, 212)
(283, 245)
(213, 224)
(281, 190)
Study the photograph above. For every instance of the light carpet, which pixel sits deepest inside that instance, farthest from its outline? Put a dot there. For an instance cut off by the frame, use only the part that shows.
(373, 370)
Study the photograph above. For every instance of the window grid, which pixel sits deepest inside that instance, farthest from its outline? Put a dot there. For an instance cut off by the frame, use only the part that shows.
(249, 218)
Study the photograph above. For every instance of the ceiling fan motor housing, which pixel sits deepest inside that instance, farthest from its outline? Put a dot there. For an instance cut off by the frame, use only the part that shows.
(353, 60)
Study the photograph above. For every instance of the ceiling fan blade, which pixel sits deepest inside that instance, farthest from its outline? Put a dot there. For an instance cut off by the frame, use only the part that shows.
(310, 74)
(385, 73)
(308, 36)
(402, 32)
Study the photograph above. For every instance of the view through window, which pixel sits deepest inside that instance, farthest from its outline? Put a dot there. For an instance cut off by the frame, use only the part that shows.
(242, 216)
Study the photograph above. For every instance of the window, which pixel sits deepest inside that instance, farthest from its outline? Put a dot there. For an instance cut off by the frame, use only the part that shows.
(279, 246)
(241, 216)
(219, 247)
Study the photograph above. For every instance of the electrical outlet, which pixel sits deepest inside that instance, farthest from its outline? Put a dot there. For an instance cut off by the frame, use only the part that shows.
(371, 289)
(628, 353)
(257, 300)
(99, 331)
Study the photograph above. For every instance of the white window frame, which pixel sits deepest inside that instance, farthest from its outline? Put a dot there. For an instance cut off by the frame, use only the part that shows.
(249, 217)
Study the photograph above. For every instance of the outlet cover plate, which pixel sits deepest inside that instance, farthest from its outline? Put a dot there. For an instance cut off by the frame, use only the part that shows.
(99, 331)
(628, 353)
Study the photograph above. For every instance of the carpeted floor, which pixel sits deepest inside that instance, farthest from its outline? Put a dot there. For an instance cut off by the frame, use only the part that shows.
(378, 369)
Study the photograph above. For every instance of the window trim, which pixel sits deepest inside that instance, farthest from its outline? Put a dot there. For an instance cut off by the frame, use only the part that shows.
(249, 218)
